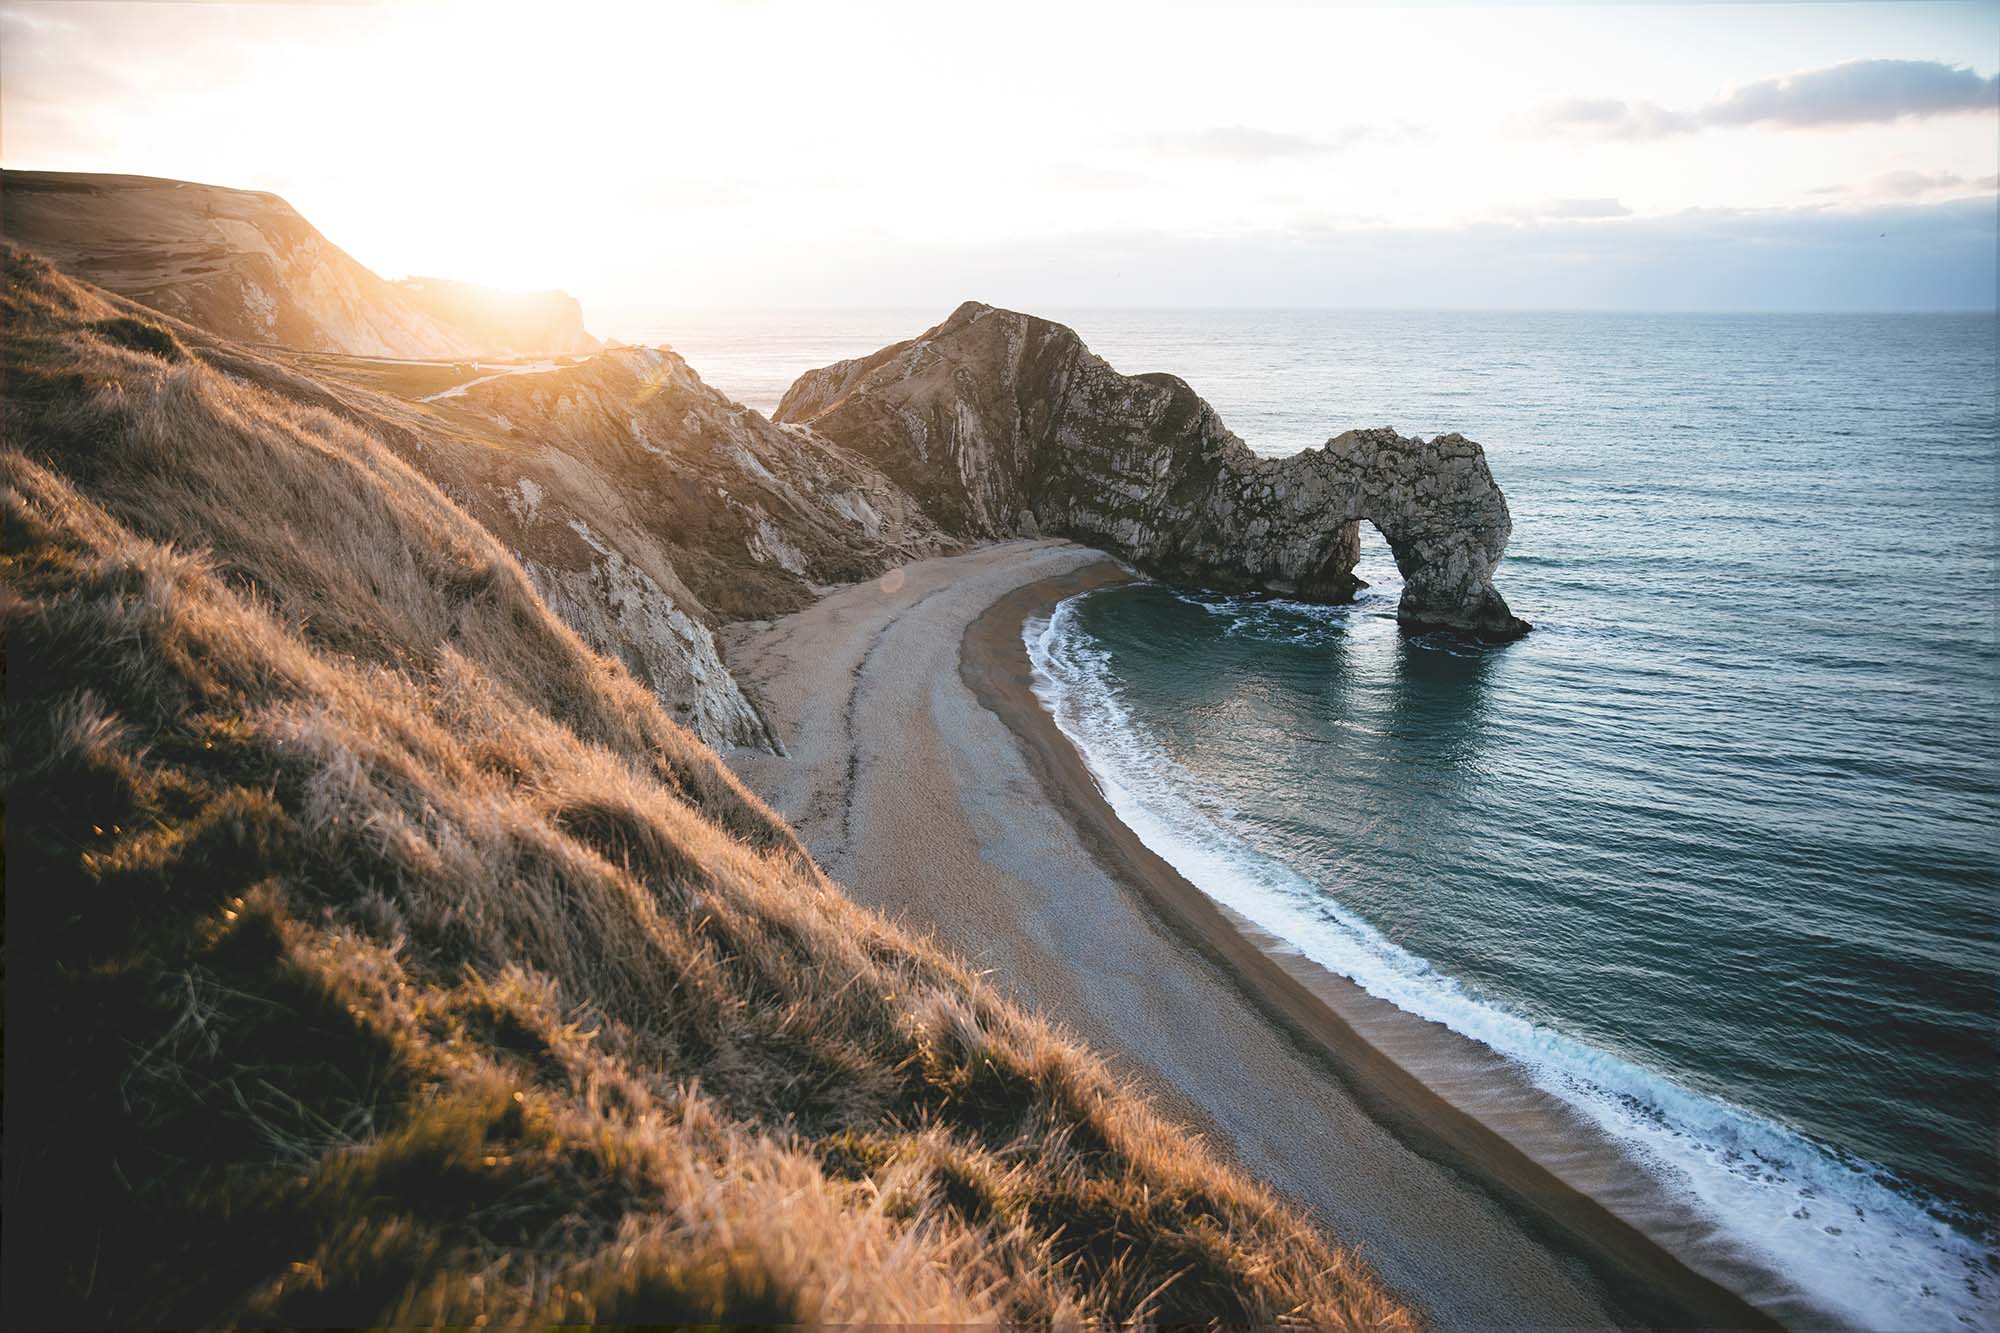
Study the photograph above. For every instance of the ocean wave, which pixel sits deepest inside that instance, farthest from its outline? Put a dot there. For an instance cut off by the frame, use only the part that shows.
(1280, 620)
(1277, 620)
(1857, 1241)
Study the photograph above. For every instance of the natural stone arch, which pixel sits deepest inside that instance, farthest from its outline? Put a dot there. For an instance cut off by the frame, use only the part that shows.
(1436, 505)
(1005, 425)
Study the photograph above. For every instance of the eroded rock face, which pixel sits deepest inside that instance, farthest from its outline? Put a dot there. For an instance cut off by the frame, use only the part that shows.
(756, 520)
(1001, 424)
(647, 508)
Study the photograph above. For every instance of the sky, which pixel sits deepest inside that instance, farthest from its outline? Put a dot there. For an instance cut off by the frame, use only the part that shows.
(762, 154)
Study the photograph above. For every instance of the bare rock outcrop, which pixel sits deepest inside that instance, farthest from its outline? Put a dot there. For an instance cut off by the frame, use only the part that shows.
(1002, 424)
(750, 520)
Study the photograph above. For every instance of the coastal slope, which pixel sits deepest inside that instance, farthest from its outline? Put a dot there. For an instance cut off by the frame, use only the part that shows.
(645, 507)
(379, 954)
(1002, 424)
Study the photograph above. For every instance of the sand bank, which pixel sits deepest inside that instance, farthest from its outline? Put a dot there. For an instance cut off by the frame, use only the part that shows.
(925, 776)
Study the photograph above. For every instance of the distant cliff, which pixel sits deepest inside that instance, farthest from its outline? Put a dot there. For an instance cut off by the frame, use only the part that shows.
(245, 265)
(1002, 424)
(521, 323)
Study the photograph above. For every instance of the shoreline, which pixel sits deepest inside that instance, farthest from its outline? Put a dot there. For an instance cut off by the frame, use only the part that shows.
(927, 777)
(1316, 1005)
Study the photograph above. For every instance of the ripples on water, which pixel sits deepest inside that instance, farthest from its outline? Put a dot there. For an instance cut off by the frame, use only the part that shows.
(1714, 851)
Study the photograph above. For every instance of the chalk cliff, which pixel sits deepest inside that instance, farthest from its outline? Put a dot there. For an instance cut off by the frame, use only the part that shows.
(1002, 424)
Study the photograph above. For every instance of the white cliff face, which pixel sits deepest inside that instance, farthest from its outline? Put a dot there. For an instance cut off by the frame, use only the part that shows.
(619, 610)
(1002, 424)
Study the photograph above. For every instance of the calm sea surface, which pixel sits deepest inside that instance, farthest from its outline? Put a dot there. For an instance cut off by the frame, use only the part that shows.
(1715, 852)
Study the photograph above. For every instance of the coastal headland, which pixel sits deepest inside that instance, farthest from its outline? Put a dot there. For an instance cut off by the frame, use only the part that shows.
(922, 771)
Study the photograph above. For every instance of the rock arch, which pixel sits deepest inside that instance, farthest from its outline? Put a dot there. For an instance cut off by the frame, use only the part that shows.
(1436, 504)
(1003, 425)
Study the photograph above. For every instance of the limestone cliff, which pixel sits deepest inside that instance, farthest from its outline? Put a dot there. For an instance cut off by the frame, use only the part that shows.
(1001, 424)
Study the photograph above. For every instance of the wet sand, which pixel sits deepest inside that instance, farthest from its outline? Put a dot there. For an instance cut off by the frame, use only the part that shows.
(924, 774)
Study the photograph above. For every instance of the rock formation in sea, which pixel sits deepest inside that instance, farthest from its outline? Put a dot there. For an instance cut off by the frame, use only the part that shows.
(244, 264)
(1002, 424)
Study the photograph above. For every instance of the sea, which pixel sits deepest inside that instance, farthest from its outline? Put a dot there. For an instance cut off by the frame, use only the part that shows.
(1713, 855)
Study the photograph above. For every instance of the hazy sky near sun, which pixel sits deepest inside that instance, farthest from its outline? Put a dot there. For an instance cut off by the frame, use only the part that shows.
(673, 155)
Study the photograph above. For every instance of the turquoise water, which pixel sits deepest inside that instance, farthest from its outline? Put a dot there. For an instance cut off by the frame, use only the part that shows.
(1714, 852)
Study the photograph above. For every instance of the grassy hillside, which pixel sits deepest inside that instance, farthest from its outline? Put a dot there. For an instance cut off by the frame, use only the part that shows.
(644, 506)
(378, 953)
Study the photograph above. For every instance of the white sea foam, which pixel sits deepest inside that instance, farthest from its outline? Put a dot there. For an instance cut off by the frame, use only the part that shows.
(1859, 1244)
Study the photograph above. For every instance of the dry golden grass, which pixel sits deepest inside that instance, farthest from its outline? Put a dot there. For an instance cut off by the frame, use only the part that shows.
(380, 955)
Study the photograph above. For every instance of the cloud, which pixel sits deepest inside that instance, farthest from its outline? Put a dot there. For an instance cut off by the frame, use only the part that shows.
(1885, 257)
(1613, 119)
(1572, 210)
(1081, 177)
(1909, 184)
(1243, 143)
(1860, 92)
